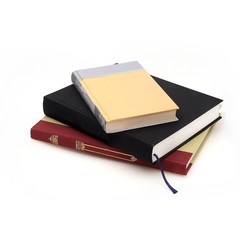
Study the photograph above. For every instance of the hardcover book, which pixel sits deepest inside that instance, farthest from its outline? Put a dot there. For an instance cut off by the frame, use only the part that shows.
(124, 96)
(52, 131)
(197, 112)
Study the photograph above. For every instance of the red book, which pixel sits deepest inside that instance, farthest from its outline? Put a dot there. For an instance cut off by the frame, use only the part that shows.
(52, 131)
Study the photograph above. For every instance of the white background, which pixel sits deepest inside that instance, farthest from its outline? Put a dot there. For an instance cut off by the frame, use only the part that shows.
(49, 192)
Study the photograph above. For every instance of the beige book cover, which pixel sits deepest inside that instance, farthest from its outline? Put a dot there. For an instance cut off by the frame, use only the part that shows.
(124, 96)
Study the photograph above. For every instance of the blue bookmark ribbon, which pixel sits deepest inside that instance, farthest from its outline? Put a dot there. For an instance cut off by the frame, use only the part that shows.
(163, 174)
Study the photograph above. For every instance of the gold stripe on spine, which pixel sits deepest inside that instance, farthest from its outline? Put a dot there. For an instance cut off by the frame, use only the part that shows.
(54, 139)
(79, 145)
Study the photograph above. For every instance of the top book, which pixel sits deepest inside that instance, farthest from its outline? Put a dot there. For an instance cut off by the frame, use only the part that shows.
(124, 96)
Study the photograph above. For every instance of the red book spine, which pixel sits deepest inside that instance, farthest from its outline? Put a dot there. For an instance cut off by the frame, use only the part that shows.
(66, 136)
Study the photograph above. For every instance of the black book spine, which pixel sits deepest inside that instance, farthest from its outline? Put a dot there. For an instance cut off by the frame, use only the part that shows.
(122, 140)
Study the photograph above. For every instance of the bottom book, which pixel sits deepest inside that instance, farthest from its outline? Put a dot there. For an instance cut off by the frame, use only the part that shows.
(55, 132)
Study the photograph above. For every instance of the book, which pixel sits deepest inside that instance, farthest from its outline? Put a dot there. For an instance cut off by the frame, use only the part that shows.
(124, 96)
(52, 131)
(197, 112)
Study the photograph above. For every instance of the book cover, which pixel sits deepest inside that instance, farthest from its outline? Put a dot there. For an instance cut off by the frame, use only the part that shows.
(52, 131)
(124, 96)
(197, 112)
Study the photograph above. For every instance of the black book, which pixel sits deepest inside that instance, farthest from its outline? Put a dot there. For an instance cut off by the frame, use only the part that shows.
(197, 111)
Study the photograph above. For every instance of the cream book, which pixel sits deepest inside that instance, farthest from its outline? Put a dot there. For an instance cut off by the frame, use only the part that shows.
(124, 96)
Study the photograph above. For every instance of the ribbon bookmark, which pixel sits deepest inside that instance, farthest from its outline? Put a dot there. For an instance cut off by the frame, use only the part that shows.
(163, 174)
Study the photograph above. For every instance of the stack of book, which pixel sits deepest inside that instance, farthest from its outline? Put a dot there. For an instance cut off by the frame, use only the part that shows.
(122, 112)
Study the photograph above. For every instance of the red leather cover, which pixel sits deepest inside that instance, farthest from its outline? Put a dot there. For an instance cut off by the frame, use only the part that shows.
(66, 136)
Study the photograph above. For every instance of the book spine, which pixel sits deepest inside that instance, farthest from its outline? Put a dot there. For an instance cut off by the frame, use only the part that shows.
(55, 109)
(57, 138)
(77, 81)
(70, 138)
